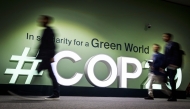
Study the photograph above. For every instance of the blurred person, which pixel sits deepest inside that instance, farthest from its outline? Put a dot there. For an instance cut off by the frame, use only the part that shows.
(46, 53)
(155, 74)
(173, 60)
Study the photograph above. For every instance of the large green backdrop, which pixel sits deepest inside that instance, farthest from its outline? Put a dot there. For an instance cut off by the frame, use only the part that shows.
(112, 21)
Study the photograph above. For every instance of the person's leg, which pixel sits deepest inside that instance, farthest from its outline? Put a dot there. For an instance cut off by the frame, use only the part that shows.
(150, 90)
(172, 74)
(56, 90)
(161, 80)
(41, 66)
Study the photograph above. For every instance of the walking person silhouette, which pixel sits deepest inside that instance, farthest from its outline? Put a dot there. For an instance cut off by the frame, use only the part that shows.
(46, 53)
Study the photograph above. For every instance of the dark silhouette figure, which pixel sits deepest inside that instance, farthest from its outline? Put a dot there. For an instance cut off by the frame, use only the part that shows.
(46, 53)
(173, 61)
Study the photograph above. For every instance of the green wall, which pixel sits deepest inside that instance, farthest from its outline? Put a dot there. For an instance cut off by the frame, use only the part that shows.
(113, 21)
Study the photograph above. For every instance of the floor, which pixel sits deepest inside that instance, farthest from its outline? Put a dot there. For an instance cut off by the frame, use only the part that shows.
(67, 102)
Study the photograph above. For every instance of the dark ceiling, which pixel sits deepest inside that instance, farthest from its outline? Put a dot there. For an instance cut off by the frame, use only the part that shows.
(181, 2)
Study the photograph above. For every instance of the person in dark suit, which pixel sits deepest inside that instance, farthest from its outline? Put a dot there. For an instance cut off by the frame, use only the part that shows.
(172, 62)
(46, 54)
(155, 75)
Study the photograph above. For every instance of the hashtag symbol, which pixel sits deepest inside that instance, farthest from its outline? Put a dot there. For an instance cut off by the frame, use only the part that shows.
(19, 71)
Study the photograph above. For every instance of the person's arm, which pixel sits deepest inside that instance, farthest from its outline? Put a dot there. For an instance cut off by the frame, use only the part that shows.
(175, 56)
(158, 62)
(162, 64)
(51, 44)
